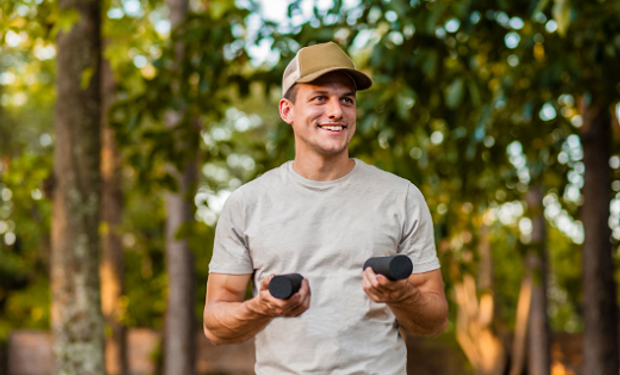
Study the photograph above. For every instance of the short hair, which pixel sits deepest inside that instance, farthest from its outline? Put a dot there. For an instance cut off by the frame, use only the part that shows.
(291, 94)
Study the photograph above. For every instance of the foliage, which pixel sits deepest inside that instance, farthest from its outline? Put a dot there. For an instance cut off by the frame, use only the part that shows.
(27, 74)
(474, 101)
(198, 86)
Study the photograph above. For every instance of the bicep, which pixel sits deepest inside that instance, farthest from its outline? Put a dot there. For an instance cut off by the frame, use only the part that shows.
(226, 287)
(428, 282)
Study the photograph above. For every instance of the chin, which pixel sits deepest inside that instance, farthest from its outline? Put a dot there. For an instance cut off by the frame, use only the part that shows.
(333, 152)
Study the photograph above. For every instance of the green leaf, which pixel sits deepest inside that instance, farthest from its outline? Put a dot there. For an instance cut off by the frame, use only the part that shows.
(217, 9)
(540, 7)
(454, 93)
(65, 20)
(561, 14)
(184, 231)
(404, 102)
(474, 93)
(430, 64)
(87, 75)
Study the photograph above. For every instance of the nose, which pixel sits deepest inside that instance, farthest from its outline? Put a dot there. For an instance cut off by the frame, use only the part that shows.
(334, 109)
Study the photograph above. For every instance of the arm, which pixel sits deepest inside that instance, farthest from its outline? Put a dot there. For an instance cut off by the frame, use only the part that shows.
(229, 319)
(419, 302)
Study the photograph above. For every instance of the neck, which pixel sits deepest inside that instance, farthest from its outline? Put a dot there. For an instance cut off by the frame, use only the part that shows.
(321, 168)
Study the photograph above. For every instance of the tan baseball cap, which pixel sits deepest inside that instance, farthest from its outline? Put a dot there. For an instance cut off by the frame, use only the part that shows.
(312, 62)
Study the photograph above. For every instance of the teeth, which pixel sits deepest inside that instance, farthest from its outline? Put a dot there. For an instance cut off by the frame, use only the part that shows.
(332, 127)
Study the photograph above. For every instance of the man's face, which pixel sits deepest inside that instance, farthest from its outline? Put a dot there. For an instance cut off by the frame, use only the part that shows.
(323, 115)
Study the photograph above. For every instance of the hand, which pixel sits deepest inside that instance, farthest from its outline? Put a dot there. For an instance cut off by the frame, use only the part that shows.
(381, 289)
(296, 305)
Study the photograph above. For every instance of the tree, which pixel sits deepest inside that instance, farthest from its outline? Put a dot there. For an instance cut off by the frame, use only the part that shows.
(475, 316)
(112, 262)
(600, 344)
(179, 346)
(77, 324)
(539, 333)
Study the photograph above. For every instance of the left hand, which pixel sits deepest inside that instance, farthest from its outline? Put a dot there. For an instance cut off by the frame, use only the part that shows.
(381, 289)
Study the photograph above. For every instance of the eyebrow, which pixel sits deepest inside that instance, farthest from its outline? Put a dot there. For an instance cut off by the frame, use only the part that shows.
(323, 92)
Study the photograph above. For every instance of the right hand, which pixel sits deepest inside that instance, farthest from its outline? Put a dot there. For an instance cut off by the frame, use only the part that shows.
(296, 305)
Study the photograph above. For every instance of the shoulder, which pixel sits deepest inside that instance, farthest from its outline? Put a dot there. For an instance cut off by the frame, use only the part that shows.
(387, 182)
(266, 183)
(383, 179)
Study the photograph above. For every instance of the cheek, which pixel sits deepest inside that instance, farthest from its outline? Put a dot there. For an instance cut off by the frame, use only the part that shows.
(351, 113)
(313, 112)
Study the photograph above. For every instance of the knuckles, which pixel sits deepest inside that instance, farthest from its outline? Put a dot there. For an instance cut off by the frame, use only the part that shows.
(293, 307)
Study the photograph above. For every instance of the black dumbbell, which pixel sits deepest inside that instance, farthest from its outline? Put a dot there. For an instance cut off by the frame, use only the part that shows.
(284, 286)
(395, 267)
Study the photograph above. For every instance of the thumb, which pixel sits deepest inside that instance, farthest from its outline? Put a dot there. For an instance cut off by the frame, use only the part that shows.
(264, 285)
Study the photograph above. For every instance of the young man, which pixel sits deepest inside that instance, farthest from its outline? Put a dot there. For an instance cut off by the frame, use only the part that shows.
(323, 215)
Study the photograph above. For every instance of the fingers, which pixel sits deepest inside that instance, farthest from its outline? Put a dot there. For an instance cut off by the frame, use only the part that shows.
(372, 286)
(380, 289)
(304, 300)
(264, 285)
(296, 305)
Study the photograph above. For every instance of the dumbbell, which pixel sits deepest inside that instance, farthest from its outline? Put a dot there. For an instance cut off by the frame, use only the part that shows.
(284, 286)
(395, 267)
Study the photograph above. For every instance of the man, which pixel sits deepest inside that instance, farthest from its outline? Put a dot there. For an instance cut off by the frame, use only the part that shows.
(323, 215)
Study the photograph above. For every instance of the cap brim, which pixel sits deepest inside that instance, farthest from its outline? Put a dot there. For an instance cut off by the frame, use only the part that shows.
(362, 81)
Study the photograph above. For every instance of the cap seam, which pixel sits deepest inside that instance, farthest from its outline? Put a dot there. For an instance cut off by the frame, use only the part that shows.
(298, 62)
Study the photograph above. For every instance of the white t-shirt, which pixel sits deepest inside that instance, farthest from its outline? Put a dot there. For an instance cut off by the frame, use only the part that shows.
(325, 230)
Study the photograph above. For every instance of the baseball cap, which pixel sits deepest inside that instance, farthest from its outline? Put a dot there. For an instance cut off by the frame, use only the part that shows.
(312, 62)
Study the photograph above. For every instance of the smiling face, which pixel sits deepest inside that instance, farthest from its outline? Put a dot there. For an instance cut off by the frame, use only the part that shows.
(323, 115)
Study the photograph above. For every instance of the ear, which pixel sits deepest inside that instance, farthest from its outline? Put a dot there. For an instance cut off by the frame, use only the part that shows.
(286, 110)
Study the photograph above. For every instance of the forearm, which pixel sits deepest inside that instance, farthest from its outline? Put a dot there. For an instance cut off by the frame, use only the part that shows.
(421, 313)
(233, 322)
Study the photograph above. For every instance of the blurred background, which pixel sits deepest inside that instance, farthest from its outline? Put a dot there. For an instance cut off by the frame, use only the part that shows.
(503, 113)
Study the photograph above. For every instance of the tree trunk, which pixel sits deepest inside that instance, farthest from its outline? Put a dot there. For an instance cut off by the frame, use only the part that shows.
(539, 333)
(180, 326)
(112, 264)
(179, 342)
(474, 330)
(601, 351)
(523, 314)
(76, 320)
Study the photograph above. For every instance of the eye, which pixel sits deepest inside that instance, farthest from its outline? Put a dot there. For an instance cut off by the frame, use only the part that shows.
(348, 100)
(319, 98)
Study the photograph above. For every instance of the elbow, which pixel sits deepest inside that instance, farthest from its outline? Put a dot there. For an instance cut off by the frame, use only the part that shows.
(212, 338)
(438, 329)
(442, 322)
(208, 332)
(440, 325)
(428, 330)
(215, 340)
(434, 327)
(219, 341)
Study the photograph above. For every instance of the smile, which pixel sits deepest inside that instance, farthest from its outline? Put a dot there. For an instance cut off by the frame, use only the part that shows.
(332, 127)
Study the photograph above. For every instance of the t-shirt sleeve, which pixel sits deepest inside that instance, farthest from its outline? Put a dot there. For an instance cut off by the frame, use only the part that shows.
(230, 251)
(418, 240)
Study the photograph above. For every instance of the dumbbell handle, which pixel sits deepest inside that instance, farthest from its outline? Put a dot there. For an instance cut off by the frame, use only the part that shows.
(395, 267)
(284, 286)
